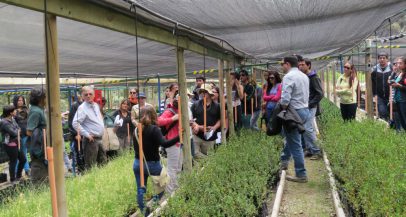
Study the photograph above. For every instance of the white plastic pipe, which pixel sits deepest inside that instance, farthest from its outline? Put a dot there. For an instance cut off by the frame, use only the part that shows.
(279, 193)
(337, 202)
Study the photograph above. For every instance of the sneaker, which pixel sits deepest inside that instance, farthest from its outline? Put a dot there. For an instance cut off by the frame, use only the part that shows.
(297, 179)
(308, 154)
(316, 157)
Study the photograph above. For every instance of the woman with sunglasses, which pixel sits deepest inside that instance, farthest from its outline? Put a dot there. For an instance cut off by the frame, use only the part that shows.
(272, 93)
(133, 97)
(346, 89)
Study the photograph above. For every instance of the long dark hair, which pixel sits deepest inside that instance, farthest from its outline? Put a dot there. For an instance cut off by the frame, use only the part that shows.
(353, 74)
(277, 79)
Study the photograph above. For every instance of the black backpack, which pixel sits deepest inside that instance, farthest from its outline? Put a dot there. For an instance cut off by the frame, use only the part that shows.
(165, 130)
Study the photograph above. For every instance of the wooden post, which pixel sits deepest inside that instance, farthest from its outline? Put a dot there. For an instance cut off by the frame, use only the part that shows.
(368, 84)
(328, 82)
(187, 152)
(54, 113)
(229, 100)
(334, 84)
(141, 155)
(222, 102)
(52, 184)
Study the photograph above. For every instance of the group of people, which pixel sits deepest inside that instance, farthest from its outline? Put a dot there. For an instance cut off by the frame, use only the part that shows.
(388, 89)
(298, 94)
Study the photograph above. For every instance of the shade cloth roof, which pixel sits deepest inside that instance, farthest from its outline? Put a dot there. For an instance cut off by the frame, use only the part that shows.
(264, 29)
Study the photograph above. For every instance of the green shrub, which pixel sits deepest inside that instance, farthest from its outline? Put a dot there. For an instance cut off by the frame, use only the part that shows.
(106, 191)
(368, 160)
(233, 181)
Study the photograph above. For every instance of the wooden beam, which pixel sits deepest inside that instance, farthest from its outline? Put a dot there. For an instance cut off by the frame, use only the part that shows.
(230, 108)
(221, 100)
(97, 15)
(55, 119)
(187, 149)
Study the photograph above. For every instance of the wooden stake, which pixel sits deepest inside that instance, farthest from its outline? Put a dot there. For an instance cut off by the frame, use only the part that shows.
(231, 119)
(141, 154)
(128, 133)
(390, 104)
(204, 113)
(368, 83)
(44, 137)
(222, 100)
(245, 104)
(52, 183)
(252, 106)
(78, 139)
(180, 121)
(359, 94)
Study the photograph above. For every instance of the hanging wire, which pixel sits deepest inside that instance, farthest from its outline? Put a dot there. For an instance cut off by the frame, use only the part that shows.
(204, 66)
(390, 41)
(376, 62)
(46, 26)
(136, 56)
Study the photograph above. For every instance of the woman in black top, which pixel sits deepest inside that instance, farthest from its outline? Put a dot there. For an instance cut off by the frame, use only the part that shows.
(9, 129)
(152, 138)
(122, 123)
(21, 119)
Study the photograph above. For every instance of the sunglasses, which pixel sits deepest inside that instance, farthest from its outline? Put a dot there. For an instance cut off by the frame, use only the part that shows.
(133, 92)
(88, 94)
(346, 67)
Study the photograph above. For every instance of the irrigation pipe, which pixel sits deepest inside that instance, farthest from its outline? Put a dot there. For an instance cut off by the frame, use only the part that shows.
(279, 193)
(337, 202)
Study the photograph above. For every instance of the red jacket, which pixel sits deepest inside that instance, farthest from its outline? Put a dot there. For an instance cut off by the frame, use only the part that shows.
(273, 98)
(166, 120)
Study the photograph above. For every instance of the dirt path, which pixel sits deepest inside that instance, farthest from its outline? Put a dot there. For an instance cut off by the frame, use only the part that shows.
(311, 199)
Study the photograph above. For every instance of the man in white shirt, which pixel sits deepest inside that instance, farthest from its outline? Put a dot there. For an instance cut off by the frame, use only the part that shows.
(88, 121)
(295, 94)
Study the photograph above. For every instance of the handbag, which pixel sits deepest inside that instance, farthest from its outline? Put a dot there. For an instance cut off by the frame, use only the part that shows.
(159, 181)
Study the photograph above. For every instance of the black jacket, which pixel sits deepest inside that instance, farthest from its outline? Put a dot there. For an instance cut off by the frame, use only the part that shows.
(9, 129)
(316, 91)
(379, 79)
(288, 118)
(72, 114)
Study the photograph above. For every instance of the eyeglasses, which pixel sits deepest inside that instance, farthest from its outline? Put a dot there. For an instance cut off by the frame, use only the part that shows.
(88, 94)
(133, 92)
(346, 67)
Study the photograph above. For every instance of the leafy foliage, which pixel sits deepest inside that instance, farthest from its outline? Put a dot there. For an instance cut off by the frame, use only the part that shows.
(369, 162)
(233, 181)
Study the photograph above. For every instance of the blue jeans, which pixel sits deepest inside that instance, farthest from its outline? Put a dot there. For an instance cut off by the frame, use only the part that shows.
(401, 106)
(309, 136)
(24, 151)
(383, 108)
(293, 145)
(254, 120)
(155, 170)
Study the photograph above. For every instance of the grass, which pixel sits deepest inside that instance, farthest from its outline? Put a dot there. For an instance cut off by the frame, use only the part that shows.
(369, 162)
(233, 182)
(106, 191)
